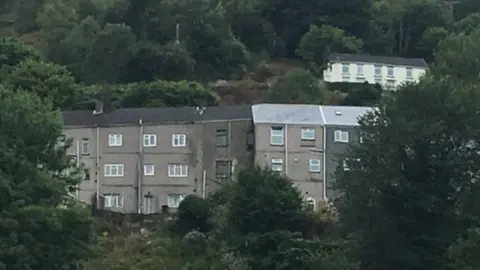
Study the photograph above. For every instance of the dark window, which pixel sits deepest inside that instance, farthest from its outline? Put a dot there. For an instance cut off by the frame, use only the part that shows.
(222, 138)
(223, 170)
(86, 172)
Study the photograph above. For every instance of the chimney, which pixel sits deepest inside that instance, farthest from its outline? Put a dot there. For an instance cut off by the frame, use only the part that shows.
(98, 107)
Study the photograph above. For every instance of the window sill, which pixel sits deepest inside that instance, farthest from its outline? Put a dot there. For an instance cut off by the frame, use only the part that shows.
(274, 144)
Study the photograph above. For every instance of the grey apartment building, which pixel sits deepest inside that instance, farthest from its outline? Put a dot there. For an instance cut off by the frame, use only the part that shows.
(145, 160)
(341, 130)
(289, 138)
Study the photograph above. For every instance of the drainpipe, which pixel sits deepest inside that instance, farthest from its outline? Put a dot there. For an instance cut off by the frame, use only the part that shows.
(324, 163)
(140, 168)
(77, 165)
(229, 149)
(97, 160)
(286, 150)
(204, 184)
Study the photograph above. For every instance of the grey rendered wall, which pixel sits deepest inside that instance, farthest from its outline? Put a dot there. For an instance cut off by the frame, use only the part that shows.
(299, 153)
(334, 154)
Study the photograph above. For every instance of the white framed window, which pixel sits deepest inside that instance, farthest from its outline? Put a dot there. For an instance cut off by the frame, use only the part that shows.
(277, 165)
(148, 204)
(409, 72)
(84, 148)
(179, 140)
(378, 81)
(390, 71)
(177, 170)
(390, 85)
(345, 78)
(276, 135)
(378, 70)
(311, 204)
(113, 170)
(174, 200)
(360, 69)
(341, 136)
(345, 68)
(308, 134)
(112, 200)
(314, 165)
(149, 140)
(115, 140)
(148, 169)
(345, 165)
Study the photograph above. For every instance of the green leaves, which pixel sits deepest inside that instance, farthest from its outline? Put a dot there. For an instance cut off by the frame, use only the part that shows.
(407, 180)
(35, 232)
(300, 87)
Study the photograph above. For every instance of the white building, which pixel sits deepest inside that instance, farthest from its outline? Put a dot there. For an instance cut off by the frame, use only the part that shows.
(389, 72)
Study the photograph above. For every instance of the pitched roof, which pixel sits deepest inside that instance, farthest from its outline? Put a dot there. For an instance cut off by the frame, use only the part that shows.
(389, 60)
(155, 115)
(343, 115)
(286, 114)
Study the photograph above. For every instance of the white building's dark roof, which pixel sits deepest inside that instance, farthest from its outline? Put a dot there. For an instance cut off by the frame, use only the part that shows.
(387, 60)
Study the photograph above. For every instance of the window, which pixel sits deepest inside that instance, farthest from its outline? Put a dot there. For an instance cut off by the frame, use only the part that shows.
(179, 140)
(345, 78)
(86, 174)
(360, 69)
(311, 203)
(345, 165)
(276, 136)
(378, 81)
(390, 84)
(148, 169)
(222, 138)
(341, 136)
(345, 68)
(277, 165)
(177, 170)
(378, 70)
(148, 204)
(84, 147)
(149, 140)
(308, 134)
(113, 200)
(223, 169)
(314, 165)
(113, 170)
(115, 140)
(390, 71)
(409, 72)
(174, 200)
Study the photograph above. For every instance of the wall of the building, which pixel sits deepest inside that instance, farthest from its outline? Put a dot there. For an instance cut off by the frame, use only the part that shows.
(334, 154)
(295, 155)
(199, 154)
(334, 74)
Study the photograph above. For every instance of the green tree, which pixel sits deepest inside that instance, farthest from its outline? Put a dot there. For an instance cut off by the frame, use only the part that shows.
(193, 214)
(463, 254)
(49, 81)
(404, 190)
(111, 50)
(297, 87)
(36, 232)
(458, 56)
(164, 93)
(319, 42)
